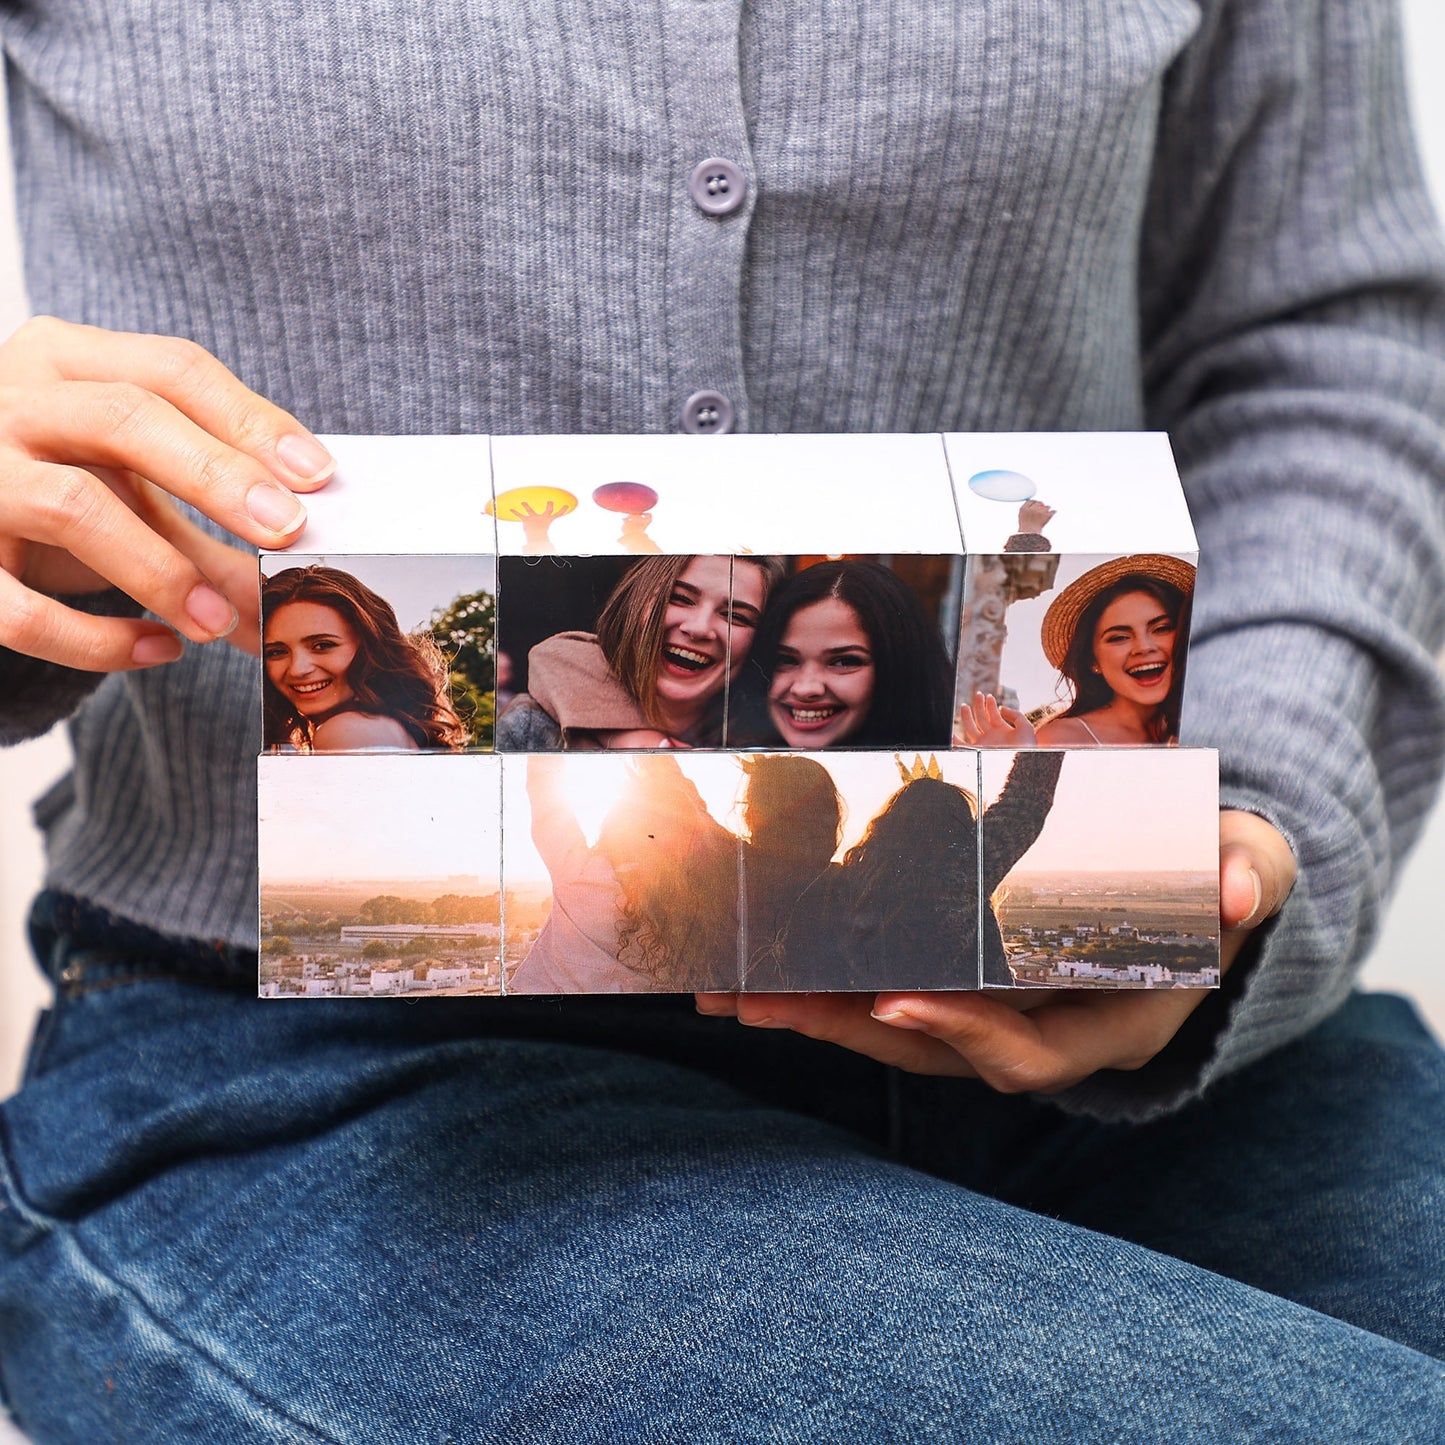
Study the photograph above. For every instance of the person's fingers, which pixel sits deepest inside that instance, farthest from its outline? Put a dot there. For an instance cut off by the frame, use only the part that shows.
(845, 1019)
(1256, 873)
(972, 732)
(717, 1005)
(1024, 735)
(125, 426)
(1048, 1048)
(70, 508)
(38, 626)
(231, 569)
(184, 374)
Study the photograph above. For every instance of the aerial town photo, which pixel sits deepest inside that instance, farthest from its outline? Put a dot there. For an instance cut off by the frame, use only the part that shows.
(353, 909)
(1144, 912)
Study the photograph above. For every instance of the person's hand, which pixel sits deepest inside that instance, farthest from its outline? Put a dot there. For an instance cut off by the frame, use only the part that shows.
(99, 431)
(1034, 516)
(1038, 1041)
(634, 534)
(988, 724)
(537, 540)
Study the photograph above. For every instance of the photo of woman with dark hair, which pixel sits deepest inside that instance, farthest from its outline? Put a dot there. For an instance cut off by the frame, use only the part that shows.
(1117, 636)
(846, 653)
(672, 634)
(793, 816)
(341, 675)
(906, 899)
(651, 907)
(910, 906)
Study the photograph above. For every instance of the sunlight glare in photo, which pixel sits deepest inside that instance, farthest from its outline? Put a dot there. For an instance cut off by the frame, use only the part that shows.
(594, 784)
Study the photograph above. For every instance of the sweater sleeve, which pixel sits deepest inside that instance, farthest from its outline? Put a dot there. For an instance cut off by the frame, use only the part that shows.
(1293, 320)
(526, 727)
(36, 695)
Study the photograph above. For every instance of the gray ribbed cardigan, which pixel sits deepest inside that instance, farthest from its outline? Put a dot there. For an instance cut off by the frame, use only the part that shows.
(473, 215)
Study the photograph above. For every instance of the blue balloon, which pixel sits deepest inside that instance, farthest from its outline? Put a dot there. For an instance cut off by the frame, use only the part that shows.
(1000, 486)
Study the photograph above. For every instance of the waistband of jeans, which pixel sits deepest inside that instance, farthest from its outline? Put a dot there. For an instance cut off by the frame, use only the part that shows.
(82, 947)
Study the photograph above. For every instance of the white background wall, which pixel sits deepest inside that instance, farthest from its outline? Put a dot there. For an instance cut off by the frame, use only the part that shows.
(1408, 957)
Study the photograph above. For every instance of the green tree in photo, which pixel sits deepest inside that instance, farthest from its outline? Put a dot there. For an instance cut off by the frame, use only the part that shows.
(466, 634)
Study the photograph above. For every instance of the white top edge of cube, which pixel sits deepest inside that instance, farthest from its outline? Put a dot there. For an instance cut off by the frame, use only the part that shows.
(402, 495)
(829, 494)
(1111, 492)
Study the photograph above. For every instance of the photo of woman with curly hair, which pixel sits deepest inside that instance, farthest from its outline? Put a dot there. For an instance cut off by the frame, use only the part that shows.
(341, 675)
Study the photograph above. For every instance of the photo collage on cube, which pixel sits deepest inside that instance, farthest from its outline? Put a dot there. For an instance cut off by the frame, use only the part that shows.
(1100, 868)
(763, 657)
(1078, 590)
(772, 592)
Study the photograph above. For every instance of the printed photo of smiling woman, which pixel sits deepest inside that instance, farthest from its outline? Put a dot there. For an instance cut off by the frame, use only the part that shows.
(341, 675)
(1118, 637)
(669, 640)
(846, 653)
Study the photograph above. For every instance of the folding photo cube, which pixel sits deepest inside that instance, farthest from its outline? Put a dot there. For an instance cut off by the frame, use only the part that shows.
(774, 713)
(380, 874)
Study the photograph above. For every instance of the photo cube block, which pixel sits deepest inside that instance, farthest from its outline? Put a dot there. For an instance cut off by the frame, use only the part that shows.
(624, 541)
(1079, 579)
(828, 495)
(1101, 868)
(403, 495)
(380, 874)
(367, 651)
(621, 873)
(860, 871)
(399, 557)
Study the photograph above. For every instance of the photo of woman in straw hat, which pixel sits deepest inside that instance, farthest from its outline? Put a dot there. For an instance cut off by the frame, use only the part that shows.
(1117, 636)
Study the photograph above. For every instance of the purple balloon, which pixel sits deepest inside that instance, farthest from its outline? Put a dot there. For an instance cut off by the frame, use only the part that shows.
(631, 498)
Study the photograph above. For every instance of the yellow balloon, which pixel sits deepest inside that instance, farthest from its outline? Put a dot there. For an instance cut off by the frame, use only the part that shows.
(514, 504)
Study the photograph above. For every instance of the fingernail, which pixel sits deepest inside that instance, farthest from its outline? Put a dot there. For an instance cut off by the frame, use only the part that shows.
(156, 647)
(1258, 885)
(898, 1019)
(274, 507)
(305, 458)
(207, 608)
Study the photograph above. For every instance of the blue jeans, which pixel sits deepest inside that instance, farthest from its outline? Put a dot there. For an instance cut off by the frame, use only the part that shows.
(226, 1220)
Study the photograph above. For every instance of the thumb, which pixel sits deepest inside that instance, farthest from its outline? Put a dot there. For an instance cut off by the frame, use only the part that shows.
(1256, 873)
